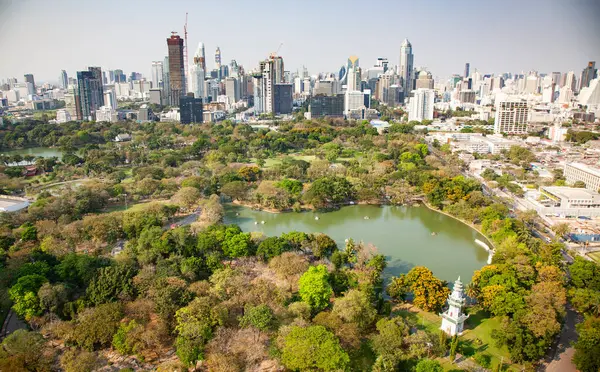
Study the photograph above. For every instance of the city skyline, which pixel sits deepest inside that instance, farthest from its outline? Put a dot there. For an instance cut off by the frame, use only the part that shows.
(487, 44)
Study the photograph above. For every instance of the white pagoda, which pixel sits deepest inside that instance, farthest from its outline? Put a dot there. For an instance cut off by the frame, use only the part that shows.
(453, 319)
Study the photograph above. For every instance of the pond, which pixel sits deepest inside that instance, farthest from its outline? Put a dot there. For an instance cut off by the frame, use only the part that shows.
(403, 234)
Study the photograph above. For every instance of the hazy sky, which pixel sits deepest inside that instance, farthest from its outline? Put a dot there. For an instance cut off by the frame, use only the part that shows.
(44, 36)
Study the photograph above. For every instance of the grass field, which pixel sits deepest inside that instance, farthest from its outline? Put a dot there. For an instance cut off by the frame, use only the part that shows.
(595, 256)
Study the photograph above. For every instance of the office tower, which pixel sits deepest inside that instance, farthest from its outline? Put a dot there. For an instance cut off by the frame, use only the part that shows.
(135, 76)
(90, 96)
(511, 117)
(424, 80)
(157, 74)
(223, 72)
(145, 114)
(232, 89)
(405, 69)
(110, 99)
(279, 71)
(104, 79)
(556, 78)
(29, 79)
(190, 109)
(176, 68)
(218, 58)
(571, 81)
(155, 96)
(120, 76)
(588, 74)
(383, 63)
(467, 66)
(421, 105)
(282, 99)
(323, 106)
(590, 95)
(353, 100)
(532, 84)
(63, 79)
(111, 76)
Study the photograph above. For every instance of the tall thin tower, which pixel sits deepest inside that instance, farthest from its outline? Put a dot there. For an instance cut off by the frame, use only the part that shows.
(176, 68)
(405, 69)
(218, 58)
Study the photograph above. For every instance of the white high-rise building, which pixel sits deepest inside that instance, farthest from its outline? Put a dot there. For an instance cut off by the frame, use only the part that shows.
(198, 73)
(232, 89)
(110, 99)
(571, 81)
(421, 105)
(511, 117)
(405, 69)
(590, 96)
(62, 116)
(157, 74)
(63, 79)
(353, 100)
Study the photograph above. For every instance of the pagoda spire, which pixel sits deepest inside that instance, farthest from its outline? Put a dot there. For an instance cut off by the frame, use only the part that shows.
(453, 318)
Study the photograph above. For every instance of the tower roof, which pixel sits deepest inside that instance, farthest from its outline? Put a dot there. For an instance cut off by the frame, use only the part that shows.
(406, 43)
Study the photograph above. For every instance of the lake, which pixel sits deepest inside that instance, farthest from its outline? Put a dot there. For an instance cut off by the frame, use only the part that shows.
(45, 152)
(402, 234)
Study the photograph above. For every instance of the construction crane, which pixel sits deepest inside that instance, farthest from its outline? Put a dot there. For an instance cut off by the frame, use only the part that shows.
(185, 51)
(274, 54)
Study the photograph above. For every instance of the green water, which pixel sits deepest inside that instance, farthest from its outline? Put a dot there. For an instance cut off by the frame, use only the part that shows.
(45, 152)
(402, 234)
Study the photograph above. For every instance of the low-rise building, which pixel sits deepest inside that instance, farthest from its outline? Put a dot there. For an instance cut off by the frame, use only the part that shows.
(580, 172)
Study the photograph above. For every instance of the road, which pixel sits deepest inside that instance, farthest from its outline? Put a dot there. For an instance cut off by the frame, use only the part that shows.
(11, 324)
(561, 360)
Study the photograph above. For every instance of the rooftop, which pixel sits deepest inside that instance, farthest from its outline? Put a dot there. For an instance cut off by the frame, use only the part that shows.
(585, 168)
(572, 193)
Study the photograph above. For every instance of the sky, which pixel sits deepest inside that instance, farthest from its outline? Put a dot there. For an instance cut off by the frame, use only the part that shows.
(45, 36)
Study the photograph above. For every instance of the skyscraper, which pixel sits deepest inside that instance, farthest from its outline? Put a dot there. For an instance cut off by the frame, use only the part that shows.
(176, 68)
(467, 66)
(63, 79)
(29, 79)
(166, 89)
(353, 74)
(157, 74)
(588, 74)
(279, 72)
(89, 95)
(571, 81)
(218, 58)
(405, 69)
(198, 73)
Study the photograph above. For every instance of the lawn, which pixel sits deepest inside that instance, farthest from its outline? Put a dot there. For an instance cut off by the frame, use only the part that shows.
(477, 338)
(595, 256)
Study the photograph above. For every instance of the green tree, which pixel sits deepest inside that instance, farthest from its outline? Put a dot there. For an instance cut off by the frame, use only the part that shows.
(313, 348)
(587, 346)
(111, 284)
(579, 184)
(323, 245)
(260, 317)
(314, 287)
(428, 365)
(24, 295)
(23, 351)
(79, 361)
(238, 245)
(95, 327)
(272, 247)
(390, 340)
(355, 307)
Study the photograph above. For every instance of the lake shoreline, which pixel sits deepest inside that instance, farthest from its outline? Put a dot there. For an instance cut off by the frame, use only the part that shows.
(258, 208)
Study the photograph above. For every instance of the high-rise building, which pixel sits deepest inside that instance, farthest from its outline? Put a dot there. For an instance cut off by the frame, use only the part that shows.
(511, 117)
(264, 80)
(421, 105)
(588, 74)
(571, 81)
(467, 67)
(110, 99)
(63, 80)
(190, 109)
(424, 80)
(556, 78)
(29, 79)
(282, 99)
(157, 74)
(176, 68)
(90, 93)
(322, 106)
(120, 76)
(353, 100)
(405, 69)
(218, 58)
(166, 89)
(232, 89)
(353, 74)
(279, 71)
(198, 73)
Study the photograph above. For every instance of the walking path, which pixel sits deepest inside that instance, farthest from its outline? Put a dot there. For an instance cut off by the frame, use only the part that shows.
(11, 324)
(561, 360)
